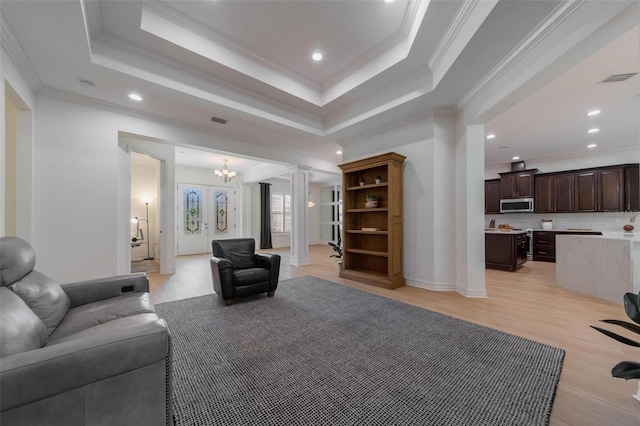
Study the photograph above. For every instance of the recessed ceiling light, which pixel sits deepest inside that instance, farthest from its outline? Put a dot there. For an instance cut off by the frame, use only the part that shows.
(594, 130)
(516, 158)
(338, 152)
(317, 56)
(86, 83)
(593, 145)
(491, 136)
(593, 112)
(135, 96)
(388, 1)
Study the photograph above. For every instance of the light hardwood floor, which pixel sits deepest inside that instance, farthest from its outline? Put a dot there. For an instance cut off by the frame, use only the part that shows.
(525, 303)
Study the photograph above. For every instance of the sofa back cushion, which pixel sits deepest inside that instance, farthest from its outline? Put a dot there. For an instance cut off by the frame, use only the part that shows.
(20, 329)
(239, 251)
(17, 259)
(45, 298)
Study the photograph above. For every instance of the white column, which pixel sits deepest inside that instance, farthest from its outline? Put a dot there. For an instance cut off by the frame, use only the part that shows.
(299, 216)
(470, 212)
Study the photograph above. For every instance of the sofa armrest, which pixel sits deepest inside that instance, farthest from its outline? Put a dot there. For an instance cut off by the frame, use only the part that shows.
(272, 263)
(222, 277)
(83, 292)
(48, 371)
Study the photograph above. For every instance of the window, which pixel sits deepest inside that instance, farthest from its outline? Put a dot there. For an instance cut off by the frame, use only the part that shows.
(280, 212)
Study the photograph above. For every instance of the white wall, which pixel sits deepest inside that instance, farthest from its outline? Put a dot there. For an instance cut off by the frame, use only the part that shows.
(144, 186)
(428, 197)
(313, 221)
(15, 87)
(595, 159)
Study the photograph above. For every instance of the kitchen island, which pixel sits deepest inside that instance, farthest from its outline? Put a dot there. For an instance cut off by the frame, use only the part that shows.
(604, 266)
(505, 250)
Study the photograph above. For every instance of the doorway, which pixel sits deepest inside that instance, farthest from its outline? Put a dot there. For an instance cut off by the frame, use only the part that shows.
(205, 213)
(145, 217)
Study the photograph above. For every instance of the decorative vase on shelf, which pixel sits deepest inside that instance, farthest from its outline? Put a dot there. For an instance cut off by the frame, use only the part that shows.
(371, 201)
(361, 182)
(378, 179)
(547, 223)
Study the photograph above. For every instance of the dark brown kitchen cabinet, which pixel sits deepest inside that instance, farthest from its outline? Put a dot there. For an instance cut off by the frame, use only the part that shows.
(544, 246)
(492, 196)
(554, 193)
(505, 251)
(631, 188)
(563, 193)
(544, 194)
(544, 243)
(599, 190)
(517, 184)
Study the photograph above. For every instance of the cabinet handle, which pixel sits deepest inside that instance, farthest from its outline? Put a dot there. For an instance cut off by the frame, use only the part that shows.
(542, 252)
(541, 241)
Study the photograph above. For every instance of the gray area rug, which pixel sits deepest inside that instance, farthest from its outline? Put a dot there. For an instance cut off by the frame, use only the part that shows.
(320, 353)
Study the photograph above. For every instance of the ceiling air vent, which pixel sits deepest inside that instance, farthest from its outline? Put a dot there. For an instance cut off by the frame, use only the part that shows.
(618, 77)
(218, 120)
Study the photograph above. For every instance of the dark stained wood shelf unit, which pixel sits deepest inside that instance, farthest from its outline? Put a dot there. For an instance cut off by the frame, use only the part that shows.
(373, 256)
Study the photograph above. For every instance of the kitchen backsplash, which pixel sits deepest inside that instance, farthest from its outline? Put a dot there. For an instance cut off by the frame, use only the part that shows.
(603, 222)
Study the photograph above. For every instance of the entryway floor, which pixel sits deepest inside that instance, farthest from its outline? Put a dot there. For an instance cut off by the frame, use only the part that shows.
(144, 266)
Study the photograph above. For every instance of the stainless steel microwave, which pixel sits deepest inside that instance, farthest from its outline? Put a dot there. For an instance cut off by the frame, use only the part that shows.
(516, 205)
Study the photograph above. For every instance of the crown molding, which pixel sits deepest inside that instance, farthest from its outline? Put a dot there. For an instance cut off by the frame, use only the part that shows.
(169, 13)
(221, 85)
(410, 21)
(421, 118)
(452, 32)
(92, 16)
(229, 139)
(12, 47)
(559, 15)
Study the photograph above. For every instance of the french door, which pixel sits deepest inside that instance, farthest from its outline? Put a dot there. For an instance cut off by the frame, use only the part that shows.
(205, 213)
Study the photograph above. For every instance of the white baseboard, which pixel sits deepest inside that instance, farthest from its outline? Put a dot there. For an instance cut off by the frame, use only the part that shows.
(446, 286)
(473, 293)
(429, 285)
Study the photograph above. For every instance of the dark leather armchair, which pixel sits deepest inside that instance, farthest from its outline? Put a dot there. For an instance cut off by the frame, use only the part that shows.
(238, 271)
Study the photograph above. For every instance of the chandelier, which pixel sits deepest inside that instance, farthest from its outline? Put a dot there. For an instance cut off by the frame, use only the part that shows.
(224, 174)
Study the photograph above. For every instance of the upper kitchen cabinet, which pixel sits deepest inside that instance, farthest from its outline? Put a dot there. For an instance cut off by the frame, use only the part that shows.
(492, 196)
(631, 188)
(554, 193)
(599, 190)
(517, 184)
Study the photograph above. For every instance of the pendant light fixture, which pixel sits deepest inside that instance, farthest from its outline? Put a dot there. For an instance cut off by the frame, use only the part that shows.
(224, 174)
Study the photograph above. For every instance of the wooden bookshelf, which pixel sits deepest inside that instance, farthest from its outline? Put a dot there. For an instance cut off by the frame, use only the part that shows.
(372, 240)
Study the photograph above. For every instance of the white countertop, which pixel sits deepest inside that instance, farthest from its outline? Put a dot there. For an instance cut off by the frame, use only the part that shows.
(628, 236)
(564, 230)
(498, 231)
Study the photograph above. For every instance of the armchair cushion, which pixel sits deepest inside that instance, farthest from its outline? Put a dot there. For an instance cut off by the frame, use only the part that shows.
(44, 296)
(20, 329)
(96, 313)
(238, 251)
(248, 276)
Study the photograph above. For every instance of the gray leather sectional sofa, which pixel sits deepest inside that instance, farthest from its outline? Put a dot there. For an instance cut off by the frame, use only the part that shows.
(87, 353)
